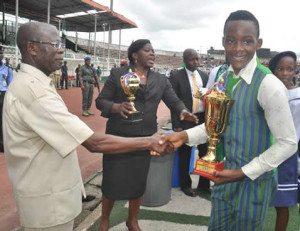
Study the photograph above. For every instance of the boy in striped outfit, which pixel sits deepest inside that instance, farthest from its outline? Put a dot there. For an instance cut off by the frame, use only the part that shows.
(259, 136)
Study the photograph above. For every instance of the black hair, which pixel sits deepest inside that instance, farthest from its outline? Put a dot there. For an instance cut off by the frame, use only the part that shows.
(242, 15)
(135, 47)
(273, 62)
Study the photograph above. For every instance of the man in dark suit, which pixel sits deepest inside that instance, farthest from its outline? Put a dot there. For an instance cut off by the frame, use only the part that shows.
(185, 82)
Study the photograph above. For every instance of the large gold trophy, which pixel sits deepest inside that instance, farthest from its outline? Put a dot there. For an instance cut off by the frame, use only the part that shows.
(130, 83)
(218, 104)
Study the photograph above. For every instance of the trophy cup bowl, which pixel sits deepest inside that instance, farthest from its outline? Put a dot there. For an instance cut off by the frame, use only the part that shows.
(130, 83)
(217, 109)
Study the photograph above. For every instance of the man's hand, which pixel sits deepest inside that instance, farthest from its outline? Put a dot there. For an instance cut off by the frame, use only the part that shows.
(228, 175)
(160, 149)
(177, 139)
(185, 115)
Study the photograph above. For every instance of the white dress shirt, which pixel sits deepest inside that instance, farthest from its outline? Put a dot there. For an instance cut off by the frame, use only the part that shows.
(273, 98)
(294, 96)
(212, 76)
(199, 84)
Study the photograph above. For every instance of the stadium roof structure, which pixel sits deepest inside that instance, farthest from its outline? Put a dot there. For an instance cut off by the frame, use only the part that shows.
(79, 15)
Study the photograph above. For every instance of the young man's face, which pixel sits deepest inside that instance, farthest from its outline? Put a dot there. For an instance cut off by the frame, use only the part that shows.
(240, 42)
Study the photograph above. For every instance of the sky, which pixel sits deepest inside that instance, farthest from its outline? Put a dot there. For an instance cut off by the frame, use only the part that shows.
(175, 25)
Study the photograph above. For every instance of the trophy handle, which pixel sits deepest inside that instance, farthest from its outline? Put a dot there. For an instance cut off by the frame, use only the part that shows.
(226, 117)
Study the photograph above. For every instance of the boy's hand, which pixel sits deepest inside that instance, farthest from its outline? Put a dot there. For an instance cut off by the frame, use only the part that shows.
(228, 175)
(158, 148)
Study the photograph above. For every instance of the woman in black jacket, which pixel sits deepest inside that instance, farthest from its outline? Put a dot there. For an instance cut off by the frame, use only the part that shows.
(124, 175)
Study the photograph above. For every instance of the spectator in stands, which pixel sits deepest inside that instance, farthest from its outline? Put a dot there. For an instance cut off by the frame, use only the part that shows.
(87, 79)
(6, 76)
(41, 137)
(185, 83)
(77, 75)
(64, 76)
(124, 176)
(283, 66)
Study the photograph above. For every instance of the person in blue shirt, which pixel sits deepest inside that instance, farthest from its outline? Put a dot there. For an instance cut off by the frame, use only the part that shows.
(5, 79)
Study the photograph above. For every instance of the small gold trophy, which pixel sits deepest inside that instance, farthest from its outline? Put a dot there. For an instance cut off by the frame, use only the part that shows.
(218, 104)
(130, 83)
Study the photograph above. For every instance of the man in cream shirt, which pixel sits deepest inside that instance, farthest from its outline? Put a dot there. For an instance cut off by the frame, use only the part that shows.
(41, 137)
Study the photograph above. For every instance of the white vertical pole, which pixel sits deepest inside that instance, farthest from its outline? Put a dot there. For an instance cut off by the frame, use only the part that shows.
(16, 26)
(120, 45)
(95, 33)
(103, 40)
(48, 12)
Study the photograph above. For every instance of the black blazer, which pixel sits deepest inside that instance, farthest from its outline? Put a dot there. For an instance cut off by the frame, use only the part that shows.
(182, 87)
(146, 100)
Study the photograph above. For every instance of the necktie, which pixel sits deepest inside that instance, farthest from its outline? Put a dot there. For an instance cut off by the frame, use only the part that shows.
(195, 89)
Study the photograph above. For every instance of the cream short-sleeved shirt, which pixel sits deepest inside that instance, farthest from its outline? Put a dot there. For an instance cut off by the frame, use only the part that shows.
(40, 138)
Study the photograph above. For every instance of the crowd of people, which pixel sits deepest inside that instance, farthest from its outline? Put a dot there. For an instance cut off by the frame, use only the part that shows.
(260, 144)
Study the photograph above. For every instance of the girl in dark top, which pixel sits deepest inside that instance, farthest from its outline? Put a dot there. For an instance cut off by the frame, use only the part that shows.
(124, 175)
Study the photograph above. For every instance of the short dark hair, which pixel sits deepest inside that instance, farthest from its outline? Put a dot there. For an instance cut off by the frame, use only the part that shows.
(242, 15)
(273, 62)
(135, 47)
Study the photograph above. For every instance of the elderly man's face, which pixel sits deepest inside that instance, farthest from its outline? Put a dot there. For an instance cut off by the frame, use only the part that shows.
(49, 58)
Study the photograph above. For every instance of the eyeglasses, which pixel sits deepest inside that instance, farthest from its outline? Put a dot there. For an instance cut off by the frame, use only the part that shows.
(56, 44)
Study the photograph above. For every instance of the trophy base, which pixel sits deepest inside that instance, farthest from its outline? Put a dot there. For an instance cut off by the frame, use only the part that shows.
(134, 118)
(203, 168)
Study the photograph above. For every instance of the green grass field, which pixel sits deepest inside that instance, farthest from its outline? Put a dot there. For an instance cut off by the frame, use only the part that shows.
(119, 215)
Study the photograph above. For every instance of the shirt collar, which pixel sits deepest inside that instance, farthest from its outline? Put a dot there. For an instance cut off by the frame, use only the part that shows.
(247, 72)
(36, 73)
(190, 72)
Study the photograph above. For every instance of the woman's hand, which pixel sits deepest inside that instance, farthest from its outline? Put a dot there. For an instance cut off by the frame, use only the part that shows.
(185, 115)
(124, 109)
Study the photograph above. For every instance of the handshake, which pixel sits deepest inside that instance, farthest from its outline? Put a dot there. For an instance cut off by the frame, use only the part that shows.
(164, 143)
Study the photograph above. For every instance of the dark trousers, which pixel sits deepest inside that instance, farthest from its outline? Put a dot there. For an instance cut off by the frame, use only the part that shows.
(2, 94)
(87, 95)
(184, 164)
(77, 81)
(64, 79)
